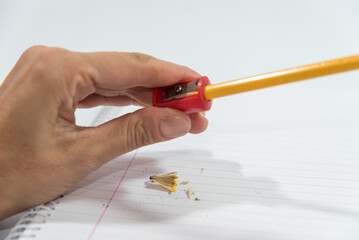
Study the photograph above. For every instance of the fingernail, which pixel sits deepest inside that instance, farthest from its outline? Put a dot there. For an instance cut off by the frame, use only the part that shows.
(174, 127)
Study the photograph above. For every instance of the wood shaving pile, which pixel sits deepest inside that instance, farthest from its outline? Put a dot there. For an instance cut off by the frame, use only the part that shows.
(168, 181)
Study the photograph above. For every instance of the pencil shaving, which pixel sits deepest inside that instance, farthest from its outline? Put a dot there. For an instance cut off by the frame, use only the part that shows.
(184, 182)
(202, 169)
(197, 199)
(167, 180)
(190, 192)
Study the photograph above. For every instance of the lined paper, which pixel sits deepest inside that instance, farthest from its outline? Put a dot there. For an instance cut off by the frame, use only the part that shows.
(260, 180)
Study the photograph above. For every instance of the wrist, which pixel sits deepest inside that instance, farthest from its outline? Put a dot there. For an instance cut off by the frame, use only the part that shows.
(7, 206)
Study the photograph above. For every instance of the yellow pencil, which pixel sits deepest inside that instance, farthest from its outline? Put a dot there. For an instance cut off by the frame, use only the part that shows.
(281, 77)
(195, 95)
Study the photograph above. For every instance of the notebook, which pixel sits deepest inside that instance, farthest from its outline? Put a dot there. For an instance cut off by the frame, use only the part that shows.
(254, 179)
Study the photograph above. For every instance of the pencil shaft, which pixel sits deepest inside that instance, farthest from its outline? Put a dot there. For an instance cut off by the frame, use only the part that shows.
(282, 77)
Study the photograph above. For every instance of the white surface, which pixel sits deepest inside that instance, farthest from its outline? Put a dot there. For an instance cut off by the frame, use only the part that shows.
(221, 39)
(260, 180)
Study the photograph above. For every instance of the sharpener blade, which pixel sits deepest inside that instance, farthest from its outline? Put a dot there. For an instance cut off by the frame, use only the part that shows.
(180, 90)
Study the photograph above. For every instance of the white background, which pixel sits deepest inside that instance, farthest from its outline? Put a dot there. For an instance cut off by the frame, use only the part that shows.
(221, 39)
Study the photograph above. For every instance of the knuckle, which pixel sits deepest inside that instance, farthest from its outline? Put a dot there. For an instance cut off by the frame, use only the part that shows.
(41, 57)
(141, 57)
(43, 61)
(32, 53)
(43, 68)
(139, 134)
(34, 50)
(150, 72)
(147, 66)
(39, 65)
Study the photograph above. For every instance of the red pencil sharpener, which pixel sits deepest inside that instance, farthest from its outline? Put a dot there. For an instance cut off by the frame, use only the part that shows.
(187, 96)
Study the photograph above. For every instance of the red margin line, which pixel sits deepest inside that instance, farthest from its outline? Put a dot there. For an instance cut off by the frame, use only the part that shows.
(109, 201)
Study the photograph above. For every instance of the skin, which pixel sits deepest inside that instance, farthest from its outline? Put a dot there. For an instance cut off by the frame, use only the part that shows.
(43, 152)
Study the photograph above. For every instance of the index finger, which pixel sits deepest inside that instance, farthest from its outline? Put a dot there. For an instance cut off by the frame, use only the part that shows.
(121, 70)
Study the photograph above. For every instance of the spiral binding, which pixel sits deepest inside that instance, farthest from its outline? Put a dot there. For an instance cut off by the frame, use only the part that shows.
(31, 221)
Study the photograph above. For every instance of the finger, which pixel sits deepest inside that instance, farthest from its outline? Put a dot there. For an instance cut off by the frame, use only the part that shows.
(95, 100)
(143, 127)
(142, 95)
(118, 70)
(78, 75)
(139, 96)
(199, 122)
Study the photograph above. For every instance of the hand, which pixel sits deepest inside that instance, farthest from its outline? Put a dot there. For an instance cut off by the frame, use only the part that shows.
(43, 152)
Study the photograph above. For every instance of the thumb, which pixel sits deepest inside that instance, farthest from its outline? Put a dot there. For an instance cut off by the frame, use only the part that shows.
(134, 130)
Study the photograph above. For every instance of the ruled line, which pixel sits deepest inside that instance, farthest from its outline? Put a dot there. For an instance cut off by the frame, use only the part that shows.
(263, 181)
(226, 219)
(241, 187)
(261, 197)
